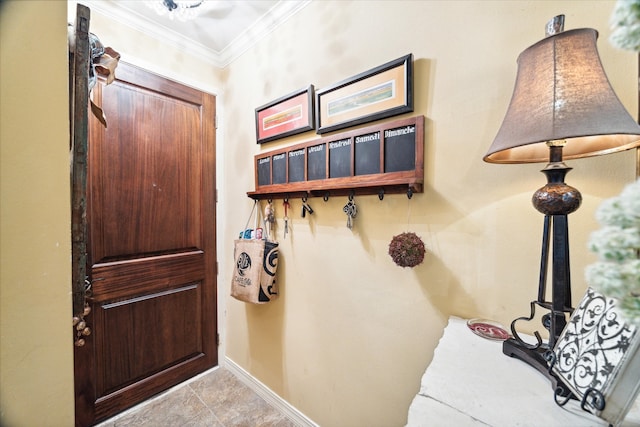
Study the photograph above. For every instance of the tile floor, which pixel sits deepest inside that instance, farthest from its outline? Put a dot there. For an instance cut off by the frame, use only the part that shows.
(215, 399)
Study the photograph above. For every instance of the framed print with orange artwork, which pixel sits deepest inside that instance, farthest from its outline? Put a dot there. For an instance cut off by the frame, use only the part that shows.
(286, 116)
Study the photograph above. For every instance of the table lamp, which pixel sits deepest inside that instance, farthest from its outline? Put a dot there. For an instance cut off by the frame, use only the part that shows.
(562, 107)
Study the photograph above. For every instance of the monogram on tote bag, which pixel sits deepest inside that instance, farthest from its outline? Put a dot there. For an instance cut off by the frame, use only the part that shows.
(256, 262)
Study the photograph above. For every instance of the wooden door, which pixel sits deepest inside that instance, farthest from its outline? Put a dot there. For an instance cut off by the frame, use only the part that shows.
(152, 243)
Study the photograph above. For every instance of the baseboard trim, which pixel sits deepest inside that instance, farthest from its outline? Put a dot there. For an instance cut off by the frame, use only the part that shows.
(294, 415)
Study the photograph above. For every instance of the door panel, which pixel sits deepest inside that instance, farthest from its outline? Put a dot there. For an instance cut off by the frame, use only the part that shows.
(146, 275)
(140, 339)
(147, 191)
(152, 261)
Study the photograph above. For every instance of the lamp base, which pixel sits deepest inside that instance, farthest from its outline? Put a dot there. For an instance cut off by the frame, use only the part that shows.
(535, 358)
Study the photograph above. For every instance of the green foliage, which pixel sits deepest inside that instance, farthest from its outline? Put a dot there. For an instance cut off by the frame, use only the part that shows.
(617, 244)
(625, 25)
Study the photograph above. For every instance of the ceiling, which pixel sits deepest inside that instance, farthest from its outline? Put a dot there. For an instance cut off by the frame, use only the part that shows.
(222, 31)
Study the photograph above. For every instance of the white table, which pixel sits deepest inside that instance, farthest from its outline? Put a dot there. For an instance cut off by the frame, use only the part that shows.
(470, 382)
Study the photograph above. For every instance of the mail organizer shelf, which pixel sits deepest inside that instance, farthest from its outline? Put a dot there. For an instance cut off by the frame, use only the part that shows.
(386, 158)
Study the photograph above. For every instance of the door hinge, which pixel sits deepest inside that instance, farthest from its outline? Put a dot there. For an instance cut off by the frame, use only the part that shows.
(216, 195)
(217, 268)
(217, 338)
(216, 121)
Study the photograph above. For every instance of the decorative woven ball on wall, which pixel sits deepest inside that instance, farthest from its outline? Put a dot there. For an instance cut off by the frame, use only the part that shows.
(407, 249)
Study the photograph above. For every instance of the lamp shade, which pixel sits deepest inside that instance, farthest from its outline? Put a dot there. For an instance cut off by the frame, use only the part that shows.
(562, 93)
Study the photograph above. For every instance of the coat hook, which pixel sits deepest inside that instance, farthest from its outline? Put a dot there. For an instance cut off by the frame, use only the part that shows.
(351, 194)
(381, 194)
(326, 197)
(410, 193)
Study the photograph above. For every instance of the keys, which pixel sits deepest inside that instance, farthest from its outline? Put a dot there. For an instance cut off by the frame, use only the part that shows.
(269, 217)
(286, 217)
(351, 211)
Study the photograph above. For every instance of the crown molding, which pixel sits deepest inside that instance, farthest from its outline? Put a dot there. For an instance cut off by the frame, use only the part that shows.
(276, 16)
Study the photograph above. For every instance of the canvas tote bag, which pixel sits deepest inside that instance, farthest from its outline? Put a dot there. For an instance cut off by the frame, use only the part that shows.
(256, 262)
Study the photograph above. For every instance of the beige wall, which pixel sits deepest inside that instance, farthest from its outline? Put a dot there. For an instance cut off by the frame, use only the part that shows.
(352, 333)
(36, 337)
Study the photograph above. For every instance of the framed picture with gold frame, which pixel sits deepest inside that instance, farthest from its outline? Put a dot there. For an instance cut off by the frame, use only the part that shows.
(286, 116)
(381, 92)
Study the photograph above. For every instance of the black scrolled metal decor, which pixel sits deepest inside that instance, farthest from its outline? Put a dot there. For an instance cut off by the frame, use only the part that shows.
(590, 349)
(514, 332)
(597, 358)
(593, 398)
(561, 390)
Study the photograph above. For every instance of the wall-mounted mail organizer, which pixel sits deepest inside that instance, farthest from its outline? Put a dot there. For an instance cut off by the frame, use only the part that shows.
(387, 158)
